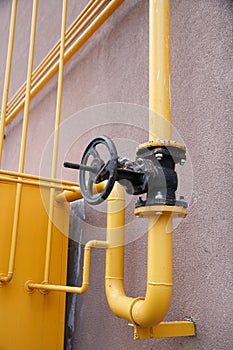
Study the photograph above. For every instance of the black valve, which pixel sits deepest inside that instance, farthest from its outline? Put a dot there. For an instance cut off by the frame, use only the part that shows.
(152, 172)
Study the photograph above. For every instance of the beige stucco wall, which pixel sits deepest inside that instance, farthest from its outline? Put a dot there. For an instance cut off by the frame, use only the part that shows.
(113, 67)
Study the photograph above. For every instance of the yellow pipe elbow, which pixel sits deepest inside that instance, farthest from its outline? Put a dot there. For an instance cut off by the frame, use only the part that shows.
(151, 310)
(119, 303)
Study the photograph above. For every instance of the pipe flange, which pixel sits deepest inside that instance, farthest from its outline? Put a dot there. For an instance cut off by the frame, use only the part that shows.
(160, 143)
(157, 210)
(27, 289)
(161, 148)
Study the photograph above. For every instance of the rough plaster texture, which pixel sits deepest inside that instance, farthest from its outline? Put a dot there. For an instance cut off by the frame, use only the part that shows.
(113, 67)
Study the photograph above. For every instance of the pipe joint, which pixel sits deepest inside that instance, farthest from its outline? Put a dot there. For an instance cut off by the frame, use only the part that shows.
(6, 278)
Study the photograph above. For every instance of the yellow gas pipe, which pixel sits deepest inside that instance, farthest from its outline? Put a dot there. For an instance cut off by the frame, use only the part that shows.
(147, 313)
(151, 310)
(159, 70)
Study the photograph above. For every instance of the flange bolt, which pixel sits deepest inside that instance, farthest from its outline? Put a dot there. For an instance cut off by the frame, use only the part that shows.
(159, 196)
(158, 156)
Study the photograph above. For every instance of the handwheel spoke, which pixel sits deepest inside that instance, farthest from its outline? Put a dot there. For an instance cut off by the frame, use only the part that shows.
(94, 152)
(90, 185)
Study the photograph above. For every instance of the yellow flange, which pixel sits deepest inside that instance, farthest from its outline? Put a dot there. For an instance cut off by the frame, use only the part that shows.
(160, 143)
(151, 210)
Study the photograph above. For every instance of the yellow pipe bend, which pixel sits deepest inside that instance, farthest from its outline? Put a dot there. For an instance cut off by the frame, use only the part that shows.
(152, 309)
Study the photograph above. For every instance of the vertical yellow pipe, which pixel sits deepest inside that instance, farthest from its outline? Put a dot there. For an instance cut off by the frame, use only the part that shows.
(119, 303)
(56, 141)
(9, 276)
(159, 70)
(28, 87)
(7, 74)
(153, 309)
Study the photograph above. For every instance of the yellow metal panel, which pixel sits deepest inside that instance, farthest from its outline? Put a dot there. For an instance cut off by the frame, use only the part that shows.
(31, 321)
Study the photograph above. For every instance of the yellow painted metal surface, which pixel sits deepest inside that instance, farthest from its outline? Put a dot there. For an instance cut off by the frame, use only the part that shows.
(159, 70)
(160, 143)
(31, 321)
(165, 330)
(157, 210)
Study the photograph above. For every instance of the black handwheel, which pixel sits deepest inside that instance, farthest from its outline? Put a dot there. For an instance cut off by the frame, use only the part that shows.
(93, 169)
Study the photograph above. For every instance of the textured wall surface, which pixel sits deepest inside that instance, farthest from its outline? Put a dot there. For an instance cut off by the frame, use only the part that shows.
(113, 67)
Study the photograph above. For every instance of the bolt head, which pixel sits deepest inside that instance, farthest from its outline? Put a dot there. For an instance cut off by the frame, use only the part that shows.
(122, 160)
(182, 161)
(158, 156)
(159, 196)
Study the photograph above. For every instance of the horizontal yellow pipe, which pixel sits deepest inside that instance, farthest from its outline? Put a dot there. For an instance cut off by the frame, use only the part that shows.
(69, 196)
(69, 189)
(97, 22)
(38, 178)
(30, 286)
(75, 193)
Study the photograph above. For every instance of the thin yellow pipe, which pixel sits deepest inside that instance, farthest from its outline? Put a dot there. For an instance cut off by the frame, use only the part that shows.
(53, 55)
(21, 92)
(97, 22)
(8, 277)
(71, 190)
(83, 23)
(39, 178)
(28, 87)
(78, 28)
(7, 74)
(69, 196)
(56, 143)
(159, 70)
(30, 286)
(55, 50)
